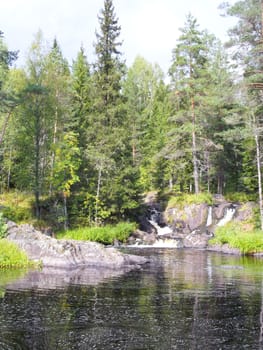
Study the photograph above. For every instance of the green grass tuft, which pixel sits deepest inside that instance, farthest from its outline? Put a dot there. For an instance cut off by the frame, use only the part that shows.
(247, 242)
(12, 257)
(106, 234)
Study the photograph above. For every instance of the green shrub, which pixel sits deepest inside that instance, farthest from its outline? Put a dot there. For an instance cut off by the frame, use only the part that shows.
(3, 227)
(11, 256)
(187, 199)
(105, 234)
(240, 197)
(17, 206)
(235, 236)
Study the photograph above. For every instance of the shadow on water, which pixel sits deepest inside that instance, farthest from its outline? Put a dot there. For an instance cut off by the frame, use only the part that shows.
(183, 299)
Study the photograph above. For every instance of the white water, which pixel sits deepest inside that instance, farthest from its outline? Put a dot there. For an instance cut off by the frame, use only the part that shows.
(161, 230)
(159, 243)
(209, 217)
(227, 217)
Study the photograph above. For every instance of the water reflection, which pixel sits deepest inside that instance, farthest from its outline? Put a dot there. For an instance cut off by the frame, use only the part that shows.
(183, 299)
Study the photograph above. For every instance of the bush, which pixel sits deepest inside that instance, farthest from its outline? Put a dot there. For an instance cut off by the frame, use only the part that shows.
(187, 199)
(240, 197)
(17, 206)
(11, 256)
(3, 227)
(235, 236)
(105, 234)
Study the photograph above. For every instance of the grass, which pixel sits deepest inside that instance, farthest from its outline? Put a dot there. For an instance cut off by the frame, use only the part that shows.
(17, 206)
(233, 234)
(106, 234)
(182, 200)
(12, 257)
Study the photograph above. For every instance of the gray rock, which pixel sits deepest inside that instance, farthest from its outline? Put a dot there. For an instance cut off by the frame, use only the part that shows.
(196, 240)
(187, 219)
(68, 253)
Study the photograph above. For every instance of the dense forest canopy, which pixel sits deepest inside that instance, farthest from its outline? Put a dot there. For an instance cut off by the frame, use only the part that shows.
(88, 139)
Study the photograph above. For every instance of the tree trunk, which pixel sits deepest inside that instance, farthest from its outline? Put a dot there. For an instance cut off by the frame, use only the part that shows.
(65, 212)
(9, 169)
(54, 142)
(5, 125)
(259, 180)
(194, 151)
(37, 163)
(98, 195)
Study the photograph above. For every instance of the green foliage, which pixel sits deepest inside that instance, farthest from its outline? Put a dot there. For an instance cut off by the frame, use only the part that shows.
(88, 141)
(11, 256)
(185, 199)
(3, 227)
(66, 165)
(106, 234)
(17, 206)
(236, 236)
(240, 197)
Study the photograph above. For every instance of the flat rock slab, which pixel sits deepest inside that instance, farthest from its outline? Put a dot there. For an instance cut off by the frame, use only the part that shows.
(68, 253)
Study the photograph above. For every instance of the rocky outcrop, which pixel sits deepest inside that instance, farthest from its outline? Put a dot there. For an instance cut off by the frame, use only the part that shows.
(68, 253)
(187, 219)
(191, 225)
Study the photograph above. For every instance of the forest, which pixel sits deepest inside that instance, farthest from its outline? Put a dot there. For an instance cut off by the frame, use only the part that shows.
(87, 139)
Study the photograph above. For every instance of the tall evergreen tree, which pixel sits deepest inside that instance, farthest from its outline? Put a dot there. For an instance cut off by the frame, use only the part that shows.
(188, 74)
(107, 148)
(148, 109)
(246, 39)
(81, 98)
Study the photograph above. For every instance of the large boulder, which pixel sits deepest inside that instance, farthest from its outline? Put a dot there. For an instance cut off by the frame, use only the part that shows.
(187, 219)
(68, 253)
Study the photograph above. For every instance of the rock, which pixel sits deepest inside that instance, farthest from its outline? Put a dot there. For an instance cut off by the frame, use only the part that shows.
(68, 253)
(219, 210)
(196, 240)
(141, 237)
(245, 211)
(224, 248)
(187, 219)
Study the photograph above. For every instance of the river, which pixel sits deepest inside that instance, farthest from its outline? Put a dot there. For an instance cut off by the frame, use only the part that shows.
(183, 299)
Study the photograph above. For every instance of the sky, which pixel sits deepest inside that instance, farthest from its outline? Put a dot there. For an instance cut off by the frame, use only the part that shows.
(149, 28)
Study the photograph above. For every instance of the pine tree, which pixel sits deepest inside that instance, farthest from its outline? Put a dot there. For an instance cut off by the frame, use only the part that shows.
(188, 74)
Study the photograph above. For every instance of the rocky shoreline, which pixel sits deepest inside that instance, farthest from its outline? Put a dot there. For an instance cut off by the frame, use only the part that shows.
(191, 225)
(51, 252)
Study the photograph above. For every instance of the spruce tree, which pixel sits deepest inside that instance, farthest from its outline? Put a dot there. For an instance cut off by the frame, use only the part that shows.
(188, 74)
(246, 42)
(107, 146)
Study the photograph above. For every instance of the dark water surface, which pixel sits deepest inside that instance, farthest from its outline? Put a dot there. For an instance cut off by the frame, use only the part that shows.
(182, 299)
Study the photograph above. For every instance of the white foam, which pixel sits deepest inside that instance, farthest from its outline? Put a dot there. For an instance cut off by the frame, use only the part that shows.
(227, 217)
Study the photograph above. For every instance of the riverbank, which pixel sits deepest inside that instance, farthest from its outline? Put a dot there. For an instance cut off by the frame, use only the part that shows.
(11, 256)
(52, 252)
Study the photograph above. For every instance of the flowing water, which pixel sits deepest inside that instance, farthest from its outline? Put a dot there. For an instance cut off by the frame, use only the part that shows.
(183, 299)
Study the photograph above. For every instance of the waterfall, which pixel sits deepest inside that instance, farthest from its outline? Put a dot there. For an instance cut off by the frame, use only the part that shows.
(154, 222)
(209, 220)
(161, 230)
(227, 217)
